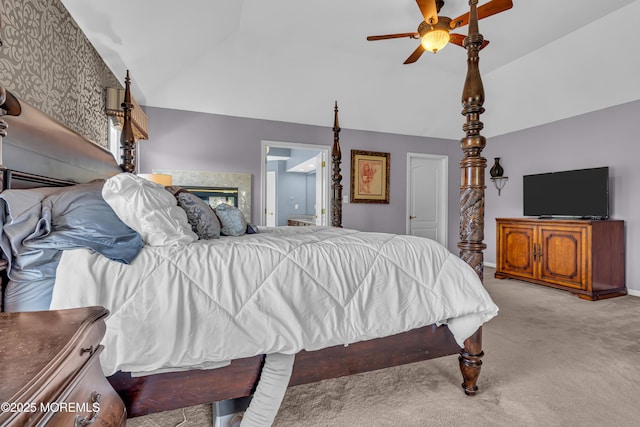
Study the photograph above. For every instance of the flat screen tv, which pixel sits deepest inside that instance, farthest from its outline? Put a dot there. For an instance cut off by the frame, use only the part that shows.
(582, 193)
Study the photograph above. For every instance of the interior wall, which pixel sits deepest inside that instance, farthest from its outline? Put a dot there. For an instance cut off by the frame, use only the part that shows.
(607, 137)
(291, 192)
(209, 142)
(602, 138)
(47, 61)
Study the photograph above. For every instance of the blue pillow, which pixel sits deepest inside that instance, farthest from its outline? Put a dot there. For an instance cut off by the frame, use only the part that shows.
(231, 220)
(20, 215)
(78, 217)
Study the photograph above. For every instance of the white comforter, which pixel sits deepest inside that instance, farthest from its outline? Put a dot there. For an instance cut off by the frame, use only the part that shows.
(279, 291)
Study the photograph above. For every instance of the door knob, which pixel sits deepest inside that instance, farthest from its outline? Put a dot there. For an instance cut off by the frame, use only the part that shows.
(411, 217)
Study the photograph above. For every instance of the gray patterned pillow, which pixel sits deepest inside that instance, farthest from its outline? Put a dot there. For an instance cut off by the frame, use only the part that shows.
(174, 189)
(231, 219)
(202, 218)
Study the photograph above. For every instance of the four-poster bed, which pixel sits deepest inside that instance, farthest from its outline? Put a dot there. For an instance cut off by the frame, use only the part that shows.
(32, 137)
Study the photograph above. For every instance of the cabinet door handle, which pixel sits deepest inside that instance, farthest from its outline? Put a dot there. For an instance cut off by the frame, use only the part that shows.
(95, 403)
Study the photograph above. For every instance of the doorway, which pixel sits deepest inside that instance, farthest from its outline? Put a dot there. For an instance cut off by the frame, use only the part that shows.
(295, 183)
(271, 206)
(427, 191)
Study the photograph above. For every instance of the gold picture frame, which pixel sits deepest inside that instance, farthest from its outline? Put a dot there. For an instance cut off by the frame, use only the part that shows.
(369, 177)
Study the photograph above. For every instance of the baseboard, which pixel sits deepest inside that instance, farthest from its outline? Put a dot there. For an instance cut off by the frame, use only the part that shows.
(633, 292)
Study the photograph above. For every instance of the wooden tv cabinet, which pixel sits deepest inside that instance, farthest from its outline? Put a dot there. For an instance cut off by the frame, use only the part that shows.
(585, 257)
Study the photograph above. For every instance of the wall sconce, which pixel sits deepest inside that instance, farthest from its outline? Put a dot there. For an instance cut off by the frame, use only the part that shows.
(497, 172)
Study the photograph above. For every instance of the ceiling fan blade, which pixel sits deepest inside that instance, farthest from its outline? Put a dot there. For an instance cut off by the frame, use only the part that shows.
(490, 8)
(459, 38)
(456, 38)
(429, 10)
(412, 35)
(415, 55)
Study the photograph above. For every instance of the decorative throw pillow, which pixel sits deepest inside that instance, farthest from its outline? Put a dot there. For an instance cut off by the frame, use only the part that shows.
(174, 189)
(231, 219)
(149, 209)
(202, 218)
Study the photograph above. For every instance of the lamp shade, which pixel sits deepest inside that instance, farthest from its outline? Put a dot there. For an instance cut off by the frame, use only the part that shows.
(158, 178)
(435, 40)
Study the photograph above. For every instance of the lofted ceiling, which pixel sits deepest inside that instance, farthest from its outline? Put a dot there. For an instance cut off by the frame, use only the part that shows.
(288, 60)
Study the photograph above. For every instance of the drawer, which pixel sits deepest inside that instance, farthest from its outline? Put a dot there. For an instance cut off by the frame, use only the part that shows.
(62, 345)
(81, 349)
(67, 364)
(89, 400)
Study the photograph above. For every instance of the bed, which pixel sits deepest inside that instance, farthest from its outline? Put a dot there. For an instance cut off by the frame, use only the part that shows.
(37, 151)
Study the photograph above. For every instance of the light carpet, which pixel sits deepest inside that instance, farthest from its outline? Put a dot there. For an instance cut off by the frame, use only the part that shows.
(551, 359)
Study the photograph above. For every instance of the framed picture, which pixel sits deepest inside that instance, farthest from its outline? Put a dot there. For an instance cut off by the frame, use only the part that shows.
(369, 177)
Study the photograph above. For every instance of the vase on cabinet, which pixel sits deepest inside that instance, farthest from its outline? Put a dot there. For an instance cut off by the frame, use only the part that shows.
(496, 170)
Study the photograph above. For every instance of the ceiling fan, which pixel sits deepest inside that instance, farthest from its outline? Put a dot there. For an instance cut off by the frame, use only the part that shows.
(434, 31)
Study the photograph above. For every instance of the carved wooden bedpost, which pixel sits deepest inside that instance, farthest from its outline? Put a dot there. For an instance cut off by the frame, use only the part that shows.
(472, 168)
(127, 138)
(9, 106)
(3, 133)
(336, 178)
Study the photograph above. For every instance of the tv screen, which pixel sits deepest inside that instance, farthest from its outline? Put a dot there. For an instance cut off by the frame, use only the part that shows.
(582, 193)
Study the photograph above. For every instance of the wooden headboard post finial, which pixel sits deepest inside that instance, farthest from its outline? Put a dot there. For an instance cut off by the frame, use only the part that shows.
(472, 167)
(127, 138)
(336, 177)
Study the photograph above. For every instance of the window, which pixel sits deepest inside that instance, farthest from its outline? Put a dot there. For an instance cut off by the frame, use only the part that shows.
(115, 130)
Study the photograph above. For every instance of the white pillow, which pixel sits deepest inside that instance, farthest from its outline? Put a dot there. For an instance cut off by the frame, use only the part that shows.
(149, 209)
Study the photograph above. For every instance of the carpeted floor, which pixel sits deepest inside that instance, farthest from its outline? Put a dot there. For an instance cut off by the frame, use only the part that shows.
(551, 359)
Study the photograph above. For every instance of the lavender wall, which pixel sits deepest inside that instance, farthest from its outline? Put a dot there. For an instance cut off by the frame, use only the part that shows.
(602, 138)
(207, 142)
(607, 137)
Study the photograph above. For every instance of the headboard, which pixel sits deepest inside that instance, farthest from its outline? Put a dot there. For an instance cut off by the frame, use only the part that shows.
(38, 150)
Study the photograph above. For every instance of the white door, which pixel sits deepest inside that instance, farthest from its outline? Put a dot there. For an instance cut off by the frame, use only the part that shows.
(271, 199)
(427, 196)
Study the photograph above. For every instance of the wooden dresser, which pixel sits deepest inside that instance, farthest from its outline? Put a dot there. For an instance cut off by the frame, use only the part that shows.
(585, 257)
(50, 372)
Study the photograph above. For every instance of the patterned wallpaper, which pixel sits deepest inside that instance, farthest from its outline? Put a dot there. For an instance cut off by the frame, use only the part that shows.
(48, 62)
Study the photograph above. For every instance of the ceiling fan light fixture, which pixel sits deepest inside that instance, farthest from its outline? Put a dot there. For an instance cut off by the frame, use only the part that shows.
(435, 40)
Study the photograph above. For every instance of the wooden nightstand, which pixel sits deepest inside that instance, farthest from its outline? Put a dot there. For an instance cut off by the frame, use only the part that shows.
(50, 370)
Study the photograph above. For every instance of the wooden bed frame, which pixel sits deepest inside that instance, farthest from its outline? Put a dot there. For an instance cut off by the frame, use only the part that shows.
(40, 151)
